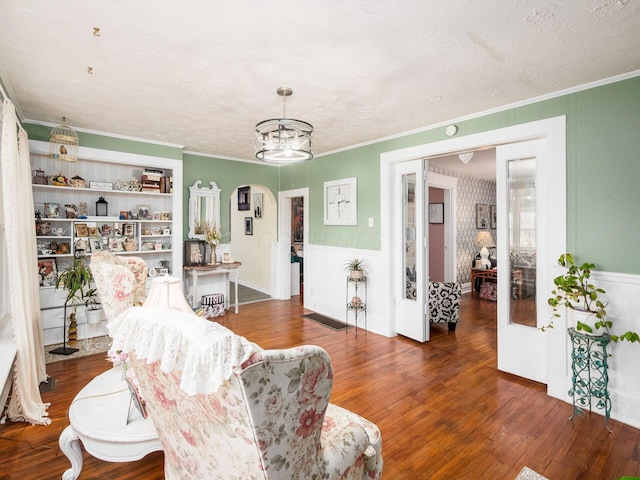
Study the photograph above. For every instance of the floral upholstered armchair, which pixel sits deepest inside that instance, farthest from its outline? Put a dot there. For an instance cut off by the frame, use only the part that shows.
(444, 303)
(225, 409)
(120, 280)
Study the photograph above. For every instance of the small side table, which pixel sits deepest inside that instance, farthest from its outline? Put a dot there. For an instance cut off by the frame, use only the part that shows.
(108, 425)
(589, 373)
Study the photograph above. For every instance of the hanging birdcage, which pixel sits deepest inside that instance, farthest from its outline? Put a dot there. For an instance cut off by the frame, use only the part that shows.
(63, 143)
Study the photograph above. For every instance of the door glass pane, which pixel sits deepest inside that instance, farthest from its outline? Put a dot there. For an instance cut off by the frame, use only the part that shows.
(409, 229)
(522, 240)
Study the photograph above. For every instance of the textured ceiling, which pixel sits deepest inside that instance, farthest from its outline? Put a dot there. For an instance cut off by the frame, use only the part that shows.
(202, 73)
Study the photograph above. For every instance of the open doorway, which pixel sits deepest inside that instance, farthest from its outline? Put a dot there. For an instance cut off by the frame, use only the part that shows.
(293, 236)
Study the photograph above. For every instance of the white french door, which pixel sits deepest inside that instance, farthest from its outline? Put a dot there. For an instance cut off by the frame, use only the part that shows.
(410, 263)
(523, 203)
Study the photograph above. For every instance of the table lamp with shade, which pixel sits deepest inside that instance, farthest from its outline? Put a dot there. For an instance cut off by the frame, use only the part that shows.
(485, 241)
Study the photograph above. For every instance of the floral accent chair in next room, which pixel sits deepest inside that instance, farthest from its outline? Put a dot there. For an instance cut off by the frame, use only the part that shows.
(226, 409)
(444, 303)
(121, 281)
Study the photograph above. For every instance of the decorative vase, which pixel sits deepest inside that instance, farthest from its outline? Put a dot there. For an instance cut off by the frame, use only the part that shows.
(213, 255)
(72, 333)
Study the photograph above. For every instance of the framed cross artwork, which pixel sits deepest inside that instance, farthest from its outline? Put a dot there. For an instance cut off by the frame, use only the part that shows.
(340, 202)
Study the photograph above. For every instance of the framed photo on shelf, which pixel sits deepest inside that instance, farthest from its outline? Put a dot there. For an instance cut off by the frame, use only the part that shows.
(48, 271)
(129, 229)
(93, 231)
(165, 215)
(482, 215)
(81, 230)
(248, 225)
(124, 215)
(436, 213)
(493, 215)
(244, 198)
(96, 244)
(340, 202)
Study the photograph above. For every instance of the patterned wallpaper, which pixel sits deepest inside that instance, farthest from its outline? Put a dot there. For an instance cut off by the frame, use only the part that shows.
(469, 192)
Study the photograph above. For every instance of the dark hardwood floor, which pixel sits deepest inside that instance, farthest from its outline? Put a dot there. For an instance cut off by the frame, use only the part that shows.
(444, 410)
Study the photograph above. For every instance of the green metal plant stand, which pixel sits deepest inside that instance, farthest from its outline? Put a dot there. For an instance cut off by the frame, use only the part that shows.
(589, 374)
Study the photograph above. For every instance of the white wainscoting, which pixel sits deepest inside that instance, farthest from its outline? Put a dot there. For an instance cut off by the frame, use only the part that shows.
(325, 285)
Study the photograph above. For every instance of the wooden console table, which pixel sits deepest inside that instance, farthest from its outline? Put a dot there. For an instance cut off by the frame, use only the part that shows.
(482, 274)
(103, 418)
(225, 269)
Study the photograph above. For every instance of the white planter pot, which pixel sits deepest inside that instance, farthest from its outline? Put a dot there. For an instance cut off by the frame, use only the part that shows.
(94, 316)
(587, 318)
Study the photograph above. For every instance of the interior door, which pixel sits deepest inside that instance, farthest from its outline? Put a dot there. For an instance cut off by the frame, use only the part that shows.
(409, 250)
(522, 208)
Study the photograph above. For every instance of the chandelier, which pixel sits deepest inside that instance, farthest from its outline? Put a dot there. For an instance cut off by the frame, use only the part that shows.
(284, 140)
(63, 143)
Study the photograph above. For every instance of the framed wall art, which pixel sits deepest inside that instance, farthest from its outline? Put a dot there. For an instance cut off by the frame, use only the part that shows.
(297, 220)
(244, 198)
(248, 225)
(257, 205)
(340, 202)
(436, 213)
(482, 215)
(493, 216)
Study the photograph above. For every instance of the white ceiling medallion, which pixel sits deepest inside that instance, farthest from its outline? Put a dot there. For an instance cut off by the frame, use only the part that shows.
(284, 140)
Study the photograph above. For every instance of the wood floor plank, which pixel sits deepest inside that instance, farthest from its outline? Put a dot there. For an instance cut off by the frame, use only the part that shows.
(444, 410)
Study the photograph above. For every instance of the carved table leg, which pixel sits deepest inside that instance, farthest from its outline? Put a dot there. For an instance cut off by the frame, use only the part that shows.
(70, 445)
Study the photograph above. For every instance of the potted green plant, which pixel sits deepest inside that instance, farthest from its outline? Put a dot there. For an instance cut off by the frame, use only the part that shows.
(574, 291)
(356, 268)
(93, 305)
(76, 280)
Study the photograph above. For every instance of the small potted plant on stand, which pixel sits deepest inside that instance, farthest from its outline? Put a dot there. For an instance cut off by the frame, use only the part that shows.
(75, 279)
(356, 268)
(94, 308)
(575, 291)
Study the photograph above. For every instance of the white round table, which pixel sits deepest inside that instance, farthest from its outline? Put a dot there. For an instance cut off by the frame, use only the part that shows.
(108, 424)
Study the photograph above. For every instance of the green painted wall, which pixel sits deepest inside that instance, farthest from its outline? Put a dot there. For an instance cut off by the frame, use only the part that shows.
(603, 166)
(41, 132)
(228, 175)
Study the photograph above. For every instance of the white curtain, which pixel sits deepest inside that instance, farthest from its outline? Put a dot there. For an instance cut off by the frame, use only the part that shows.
(22, 272)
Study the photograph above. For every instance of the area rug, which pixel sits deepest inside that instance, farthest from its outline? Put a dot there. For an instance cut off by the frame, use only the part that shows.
(527, 474)
(246, 295)
(88, 346)
(326, 321)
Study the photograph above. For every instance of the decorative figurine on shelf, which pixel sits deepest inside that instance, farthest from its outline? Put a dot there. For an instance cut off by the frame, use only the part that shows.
(212, 236)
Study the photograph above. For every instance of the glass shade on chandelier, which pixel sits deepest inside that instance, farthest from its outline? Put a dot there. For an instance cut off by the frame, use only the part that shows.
(284, 140)
(63, 143)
